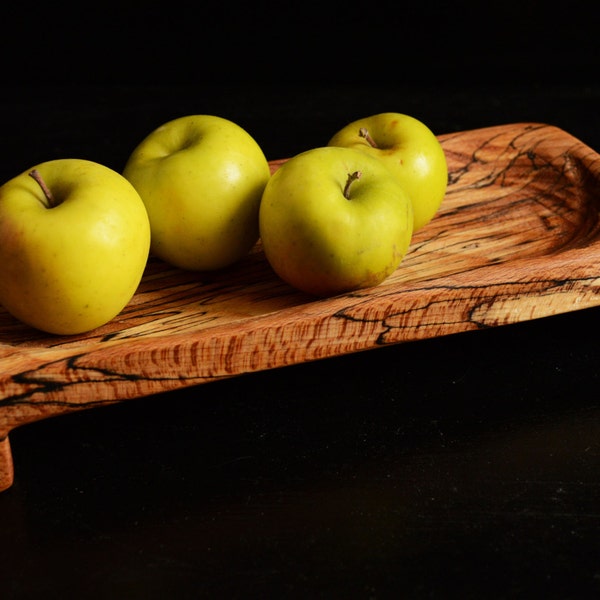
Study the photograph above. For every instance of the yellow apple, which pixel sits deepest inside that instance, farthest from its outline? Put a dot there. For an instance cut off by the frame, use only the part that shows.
(201, 178)
(410, 150)
(74, 242)
(334, 220)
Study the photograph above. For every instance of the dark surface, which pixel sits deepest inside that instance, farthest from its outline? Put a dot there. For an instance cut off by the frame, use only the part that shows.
(466, 466)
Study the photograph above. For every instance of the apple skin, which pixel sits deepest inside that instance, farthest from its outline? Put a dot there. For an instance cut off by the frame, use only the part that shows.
(201, 178)
(410, 150)
(324, 243)
(73, 267)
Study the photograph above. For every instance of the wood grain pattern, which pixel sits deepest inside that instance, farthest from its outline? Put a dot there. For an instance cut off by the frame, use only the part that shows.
(516, 238)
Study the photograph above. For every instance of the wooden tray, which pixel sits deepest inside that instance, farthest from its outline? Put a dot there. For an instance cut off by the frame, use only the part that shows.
(516, 239)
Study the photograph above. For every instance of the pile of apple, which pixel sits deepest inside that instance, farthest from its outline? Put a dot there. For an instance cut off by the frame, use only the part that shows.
(197, 192)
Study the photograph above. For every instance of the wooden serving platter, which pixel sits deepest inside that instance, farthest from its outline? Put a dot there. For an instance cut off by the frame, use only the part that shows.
(516, 238)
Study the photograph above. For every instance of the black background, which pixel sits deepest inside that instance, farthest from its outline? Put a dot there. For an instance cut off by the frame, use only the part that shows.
(466, 466)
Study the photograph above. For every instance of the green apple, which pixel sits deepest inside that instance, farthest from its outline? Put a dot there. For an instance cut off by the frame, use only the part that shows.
(411, 152)
(333, 220)
(74, 242)
(201, 178)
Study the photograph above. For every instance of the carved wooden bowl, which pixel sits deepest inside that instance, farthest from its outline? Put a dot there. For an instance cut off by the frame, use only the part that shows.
(516, 238)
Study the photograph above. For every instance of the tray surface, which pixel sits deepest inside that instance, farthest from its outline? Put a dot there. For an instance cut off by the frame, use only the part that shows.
(516, 238)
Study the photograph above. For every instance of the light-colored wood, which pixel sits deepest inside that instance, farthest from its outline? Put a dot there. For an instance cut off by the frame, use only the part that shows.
(6, 465)
(516, 238)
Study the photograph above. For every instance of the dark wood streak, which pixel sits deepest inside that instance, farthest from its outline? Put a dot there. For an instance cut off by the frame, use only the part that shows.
(516, 238)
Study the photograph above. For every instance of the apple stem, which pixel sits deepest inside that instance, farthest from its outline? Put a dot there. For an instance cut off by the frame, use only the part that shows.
(35, 174)
(364, 133)
(351, 178)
